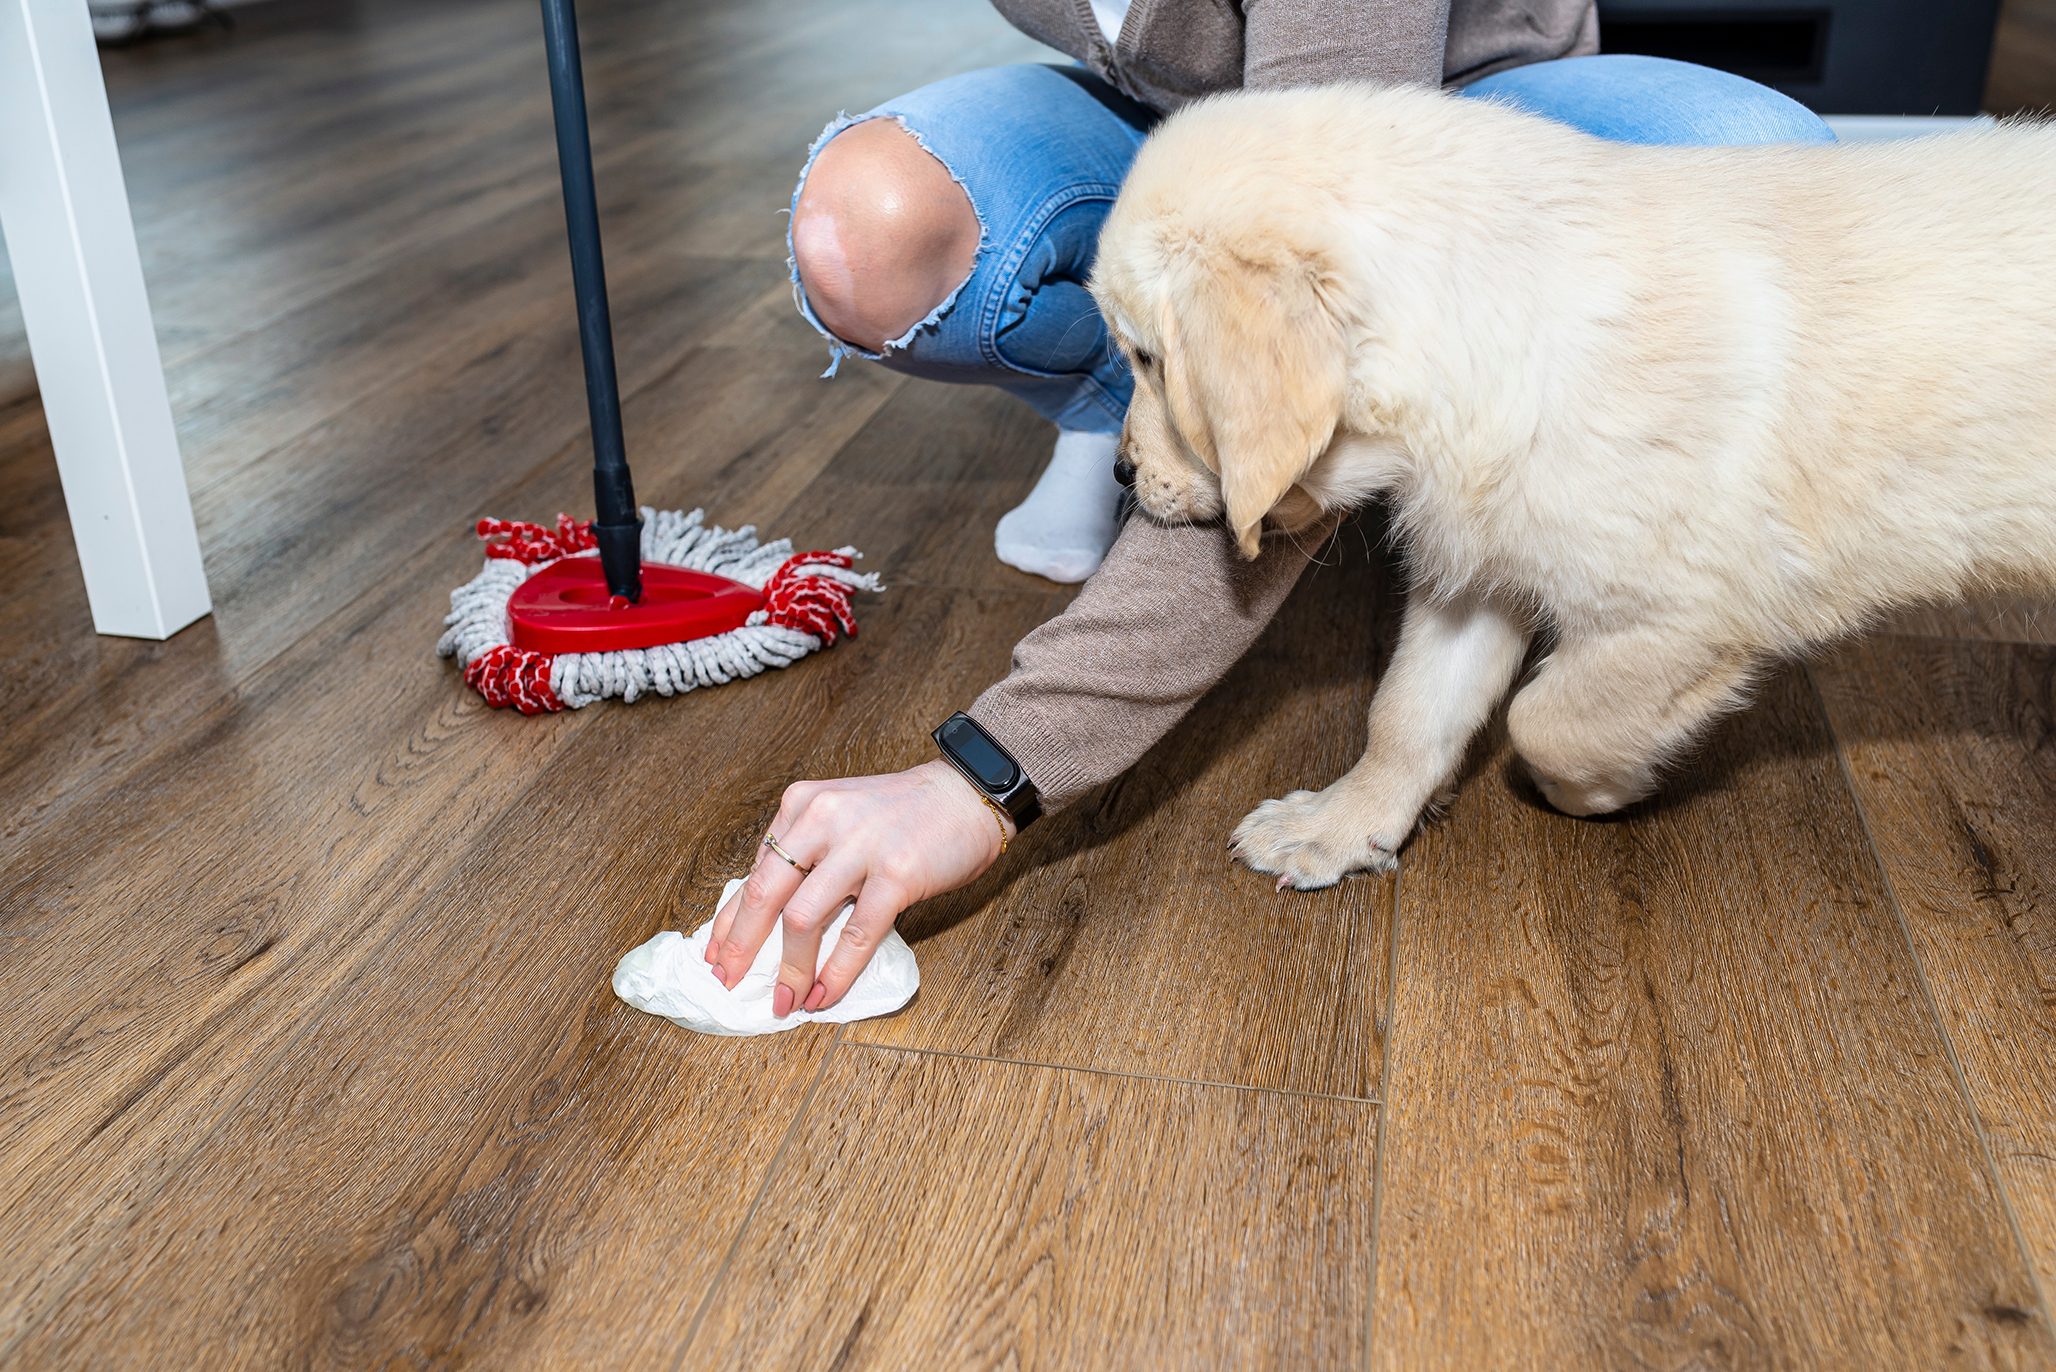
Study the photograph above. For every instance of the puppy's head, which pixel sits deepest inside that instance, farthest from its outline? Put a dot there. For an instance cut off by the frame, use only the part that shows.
(1228, 315)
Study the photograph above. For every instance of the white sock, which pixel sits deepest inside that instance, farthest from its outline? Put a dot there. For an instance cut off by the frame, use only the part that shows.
(1065, 526)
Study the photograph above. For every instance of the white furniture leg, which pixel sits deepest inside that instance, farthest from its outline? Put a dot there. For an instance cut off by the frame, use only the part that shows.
(72, 242)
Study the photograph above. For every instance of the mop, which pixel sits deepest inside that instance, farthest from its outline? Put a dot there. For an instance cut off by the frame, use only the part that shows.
(635, 600)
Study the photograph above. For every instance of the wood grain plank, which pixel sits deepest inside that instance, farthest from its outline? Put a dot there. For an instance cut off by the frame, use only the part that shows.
(1132, 943)
(28, 474)
(2022, 77)
(736, 420)
(447, 406)
(185, 931)
(180, 1033)
(1665, 1091)
(2005, 619)
(742, 421)
(357, 1144)
(463, 295)
(927, 478)
(1955, 767)
(324, 512)
(1062, 1219)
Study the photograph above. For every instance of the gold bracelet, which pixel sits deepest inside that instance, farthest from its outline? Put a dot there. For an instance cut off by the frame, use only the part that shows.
(994, 806)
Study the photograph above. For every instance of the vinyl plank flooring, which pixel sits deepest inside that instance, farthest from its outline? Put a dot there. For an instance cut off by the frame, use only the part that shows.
(324, 512)
(34, 503)
(1061, 1219)
(725, 422)
(1955, 767)
(360, 1151)
(294, 537)
(253, 216)
(926, 479)
(1666, 1091)
(312, 1058)
(253, 394)
(159, 950)
(1133, 943)
(2022, 79)
(325, 841)
(2004, 619)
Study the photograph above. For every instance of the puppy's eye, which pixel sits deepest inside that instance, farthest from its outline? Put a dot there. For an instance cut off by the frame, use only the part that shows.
(1143, 361)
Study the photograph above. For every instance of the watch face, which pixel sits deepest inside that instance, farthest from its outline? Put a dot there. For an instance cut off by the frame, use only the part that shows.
(993, 768)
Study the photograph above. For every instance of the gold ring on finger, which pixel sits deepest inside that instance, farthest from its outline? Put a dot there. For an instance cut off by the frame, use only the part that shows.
(772, 844)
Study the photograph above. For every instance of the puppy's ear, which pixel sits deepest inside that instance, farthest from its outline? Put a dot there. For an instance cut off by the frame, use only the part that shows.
(1254, 375)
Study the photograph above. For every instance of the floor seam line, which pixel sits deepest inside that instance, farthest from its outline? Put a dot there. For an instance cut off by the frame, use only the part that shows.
(1970, 1105)
(1114, 1072)
(1384, 1117)
(742, 1230)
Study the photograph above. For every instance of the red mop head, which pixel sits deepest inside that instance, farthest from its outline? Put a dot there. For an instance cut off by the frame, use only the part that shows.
(536, 629)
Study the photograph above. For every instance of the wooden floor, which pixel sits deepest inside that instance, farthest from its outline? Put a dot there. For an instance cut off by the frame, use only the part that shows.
(2022, 79)
(310, 1056)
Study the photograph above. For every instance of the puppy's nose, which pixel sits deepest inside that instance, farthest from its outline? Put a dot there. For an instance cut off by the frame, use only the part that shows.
(1124, 472)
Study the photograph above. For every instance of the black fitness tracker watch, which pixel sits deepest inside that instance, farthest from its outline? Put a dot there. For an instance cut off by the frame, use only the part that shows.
(989, 767)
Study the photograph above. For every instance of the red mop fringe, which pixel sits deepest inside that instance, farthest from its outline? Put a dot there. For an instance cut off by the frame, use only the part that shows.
(816, 605)
(507, 675)
(532, 543)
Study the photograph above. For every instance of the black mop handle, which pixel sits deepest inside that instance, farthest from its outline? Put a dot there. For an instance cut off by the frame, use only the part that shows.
(617, 526)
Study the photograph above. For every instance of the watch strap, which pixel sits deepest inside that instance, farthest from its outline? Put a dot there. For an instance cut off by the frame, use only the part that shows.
(989, 767)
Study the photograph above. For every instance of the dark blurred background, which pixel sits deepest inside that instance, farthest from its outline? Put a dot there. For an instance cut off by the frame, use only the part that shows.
(1917, 57)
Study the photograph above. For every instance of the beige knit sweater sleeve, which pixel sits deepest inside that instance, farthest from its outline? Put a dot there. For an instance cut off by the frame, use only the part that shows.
(1165, 617)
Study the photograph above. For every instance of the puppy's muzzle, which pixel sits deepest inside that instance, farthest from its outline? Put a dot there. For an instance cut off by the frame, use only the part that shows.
(1124, 472)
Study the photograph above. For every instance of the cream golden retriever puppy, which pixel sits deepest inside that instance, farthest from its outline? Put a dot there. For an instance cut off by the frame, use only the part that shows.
(1684, 409)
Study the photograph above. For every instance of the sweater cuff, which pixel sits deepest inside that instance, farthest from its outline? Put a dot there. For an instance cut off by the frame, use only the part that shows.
(1053, 767)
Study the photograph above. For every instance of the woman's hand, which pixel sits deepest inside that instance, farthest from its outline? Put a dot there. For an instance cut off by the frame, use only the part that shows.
(887, 840)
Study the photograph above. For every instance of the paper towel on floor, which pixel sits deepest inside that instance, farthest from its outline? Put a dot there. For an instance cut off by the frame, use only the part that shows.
(669, 976)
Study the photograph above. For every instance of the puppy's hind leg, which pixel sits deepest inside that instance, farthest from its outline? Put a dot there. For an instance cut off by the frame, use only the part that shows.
(1455, 660)
(1603, 715)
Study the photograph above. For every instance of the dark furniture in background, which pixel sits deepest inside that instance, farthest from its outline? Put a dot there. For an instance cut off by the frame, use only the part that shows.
(1838, 57)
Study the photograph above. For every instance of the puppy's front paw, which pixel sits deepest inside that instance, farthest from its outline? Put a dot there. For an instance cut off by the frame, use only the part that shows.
(1309, 840)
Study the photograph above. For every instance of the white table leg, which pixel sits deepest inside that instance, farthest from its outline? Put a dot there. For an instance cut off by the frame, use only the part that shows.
(72, 242)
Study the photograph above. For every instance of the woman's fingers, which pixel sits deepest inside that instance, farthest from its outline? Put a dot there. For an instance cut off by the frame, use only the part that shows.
(893, 839)
(723, 918)
(807, 916)
(878, 905)
(770, 885)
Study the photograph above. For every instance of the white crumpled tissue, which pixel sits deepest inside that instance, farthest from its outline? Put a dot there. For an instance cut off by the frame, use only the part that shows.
(669, 976)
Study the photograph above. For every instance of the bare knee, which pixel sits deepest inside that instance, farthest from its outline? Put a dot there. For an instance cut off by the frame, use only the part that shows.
(881, 234)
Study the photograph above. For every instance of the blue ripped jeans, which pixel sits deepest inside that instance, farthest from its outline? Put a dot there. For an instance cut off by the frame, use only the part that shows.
(1041, 152)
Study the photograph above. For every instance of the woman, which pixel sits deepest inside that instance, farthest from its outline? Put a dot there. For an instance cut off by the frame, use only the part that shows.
(948, 234)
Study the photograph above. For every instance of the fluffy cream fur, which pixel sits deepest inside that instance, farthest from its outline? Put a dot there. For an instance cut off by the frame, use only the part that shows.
(1687, 408)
